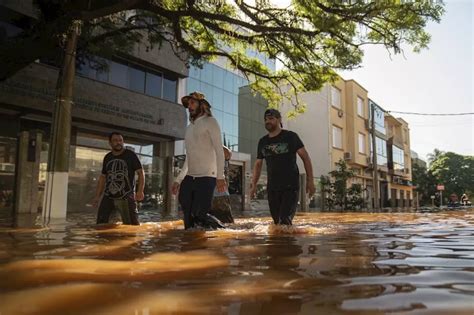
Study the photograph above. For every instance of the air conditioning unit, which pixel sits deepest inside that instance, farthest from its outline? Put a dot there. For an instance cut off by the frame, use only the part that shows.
(347, 156)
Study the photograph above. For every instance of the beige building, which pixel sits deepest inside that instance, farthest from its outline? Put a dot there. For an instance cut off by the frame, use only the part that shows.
(337, 125)
(349, 132)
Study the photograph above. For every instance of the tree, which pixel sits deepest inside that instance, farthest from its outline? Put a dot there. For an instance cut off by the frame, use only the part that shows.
(336, 192)
(425, 183)
(310, 38)
(454, 171)
(434, 156)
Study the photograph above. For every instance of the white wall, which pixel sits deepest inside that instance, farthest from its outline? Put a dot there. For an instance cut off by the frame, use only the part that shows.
(313, 129)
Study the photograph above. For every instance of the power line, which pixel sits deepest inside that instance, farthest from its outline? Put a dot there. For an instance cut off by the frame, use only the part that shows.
(430, 114)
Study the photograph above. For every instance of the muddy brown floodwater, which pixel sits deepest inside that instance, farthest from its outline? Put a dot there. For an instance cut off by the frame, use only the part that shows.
(328, 263)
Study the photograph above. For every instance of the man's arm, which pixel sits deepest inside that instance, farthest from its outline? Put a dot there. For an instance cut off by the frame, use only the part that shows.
(257, 170)
(227, 153)
(99, 190)
(310, 189)
(215, 134)
(139, 196)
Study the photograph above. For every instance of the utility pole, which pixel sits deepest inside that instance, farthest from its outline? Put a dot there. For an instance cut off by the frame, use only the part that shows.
(55, 202)
(375, 175)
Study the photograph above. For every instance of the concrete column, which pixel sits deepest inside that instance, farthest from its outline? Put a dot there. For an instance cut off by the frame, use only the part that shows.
(55, 201)
(246, 184)
(26, 192)
(166, 151)
(302, 195)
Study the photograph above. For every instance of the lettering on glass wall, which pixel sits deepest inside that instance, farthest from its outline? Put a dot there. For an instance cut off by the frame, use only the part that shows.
(22, 89)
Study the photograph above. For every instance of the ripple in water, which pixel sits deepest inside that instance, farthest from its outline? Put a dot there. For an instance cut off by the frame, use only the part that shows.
(328, 263)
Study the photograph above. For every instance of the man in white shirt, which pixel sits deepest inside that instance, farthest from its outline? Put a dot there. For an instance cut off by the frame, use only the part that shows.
(203, 168)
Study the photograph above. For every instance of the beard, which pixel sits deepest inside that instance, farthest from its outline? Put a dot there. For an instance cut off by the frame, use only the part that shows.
(196, 113)
(117, 147)
(270, 127)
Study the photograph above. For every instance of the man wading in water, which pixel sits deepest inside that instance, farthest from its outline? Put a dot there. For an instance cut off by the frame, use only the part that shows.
(118, 180)
(279, 149)
(203, 168)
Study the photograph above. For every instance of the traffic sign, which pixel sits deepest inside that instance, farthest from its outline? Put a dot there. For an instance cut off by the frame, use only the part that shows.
(440, 187)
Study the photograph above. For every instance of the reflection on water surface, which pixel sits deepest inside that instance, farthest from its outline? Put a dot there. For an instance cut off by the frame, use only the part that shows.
(328, 263)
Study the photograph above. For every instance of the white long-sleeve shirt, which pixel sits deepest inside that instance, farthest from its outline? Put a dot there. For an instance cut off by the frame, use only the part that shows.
(204, 154)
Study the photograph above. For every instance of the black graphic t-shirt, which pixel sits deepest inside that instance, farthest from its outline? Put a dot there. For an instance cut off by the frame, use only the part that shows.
(280, 154)
(119, 171)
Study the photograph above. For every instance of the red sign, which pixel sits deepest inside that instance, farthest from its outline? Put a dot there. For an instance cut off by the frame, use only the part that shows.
(440, 187)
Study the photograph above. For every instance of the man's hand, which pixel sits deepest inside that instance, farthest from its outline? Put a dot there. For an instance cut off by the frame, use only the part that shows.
(139, 196)
(175, 188)
(310, 189)
(95, 202)
(221, 185)
(253, 190)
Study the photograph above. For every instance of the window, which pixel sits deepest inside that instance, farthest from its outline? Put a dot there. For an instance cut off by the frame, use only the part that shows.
(219, 116)
(218, 101)
(398, 158)
(228, 102)
(336, 137)
(169, 88)
(194, 72)
(153, 84)
(381, 149)
(360, 106)
(228, 81)
(118, 74)
(102, 75)
(379, 117)
(218, 77)
(137, 80)
(335, 97)
(361, 143)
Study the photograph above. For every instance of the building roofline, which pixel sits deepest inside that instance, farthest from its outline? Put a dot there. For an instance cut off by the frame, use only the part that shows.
(358, 84)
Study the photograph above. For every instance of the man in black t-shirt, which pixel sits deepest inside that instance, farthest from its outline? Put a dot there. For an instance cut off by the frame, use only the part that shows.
(279, 149)
(117, 183)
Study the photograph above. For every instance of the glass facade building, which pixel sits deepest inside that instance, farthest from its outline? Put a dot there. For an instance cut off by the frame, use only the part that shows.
(221, 88)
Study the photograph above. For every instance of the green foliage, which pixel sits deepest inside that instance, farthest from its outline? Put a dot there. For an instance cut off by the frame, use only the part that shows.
(455, 172)
(354, 197)
(327, 191)
(452, 170)
(336, 193)
(425, 183)
(311, 39)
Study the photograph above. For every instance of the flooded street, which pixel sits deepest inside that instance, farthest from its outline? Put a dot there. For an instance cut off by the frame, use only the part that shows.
(328, 263)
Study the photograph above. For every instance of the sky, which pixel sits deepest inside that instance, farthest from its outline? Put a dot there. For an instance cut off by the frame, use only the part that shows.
(436, 80)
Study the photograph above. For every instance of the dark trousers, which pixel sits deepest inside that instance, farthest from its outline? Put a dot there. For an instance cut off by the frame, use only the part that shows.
(283, 205)
(195, 197)
(127, 208)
